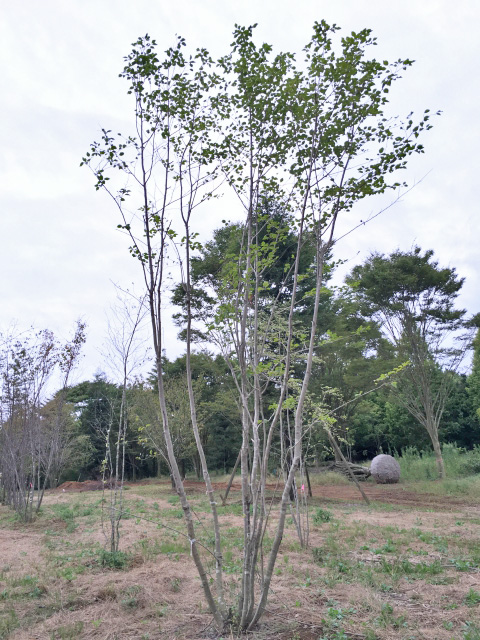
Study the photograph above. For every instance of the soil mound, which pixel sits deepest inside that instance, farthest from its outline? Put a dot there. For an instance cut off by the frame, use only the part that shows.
(88, 485)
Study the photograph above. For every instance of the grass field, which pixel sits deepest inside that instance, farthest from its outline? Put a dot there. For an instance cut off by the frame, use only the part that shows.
(406, 567)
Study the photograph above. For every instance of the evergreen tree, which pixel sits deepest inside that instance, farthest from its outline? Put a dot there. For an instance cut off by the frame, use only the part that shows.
(473, 383)
(414, 301)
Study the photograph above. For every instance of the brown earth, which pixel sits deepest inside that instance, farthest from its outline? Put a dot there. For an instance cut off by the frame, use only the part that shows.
(389, 494)
(160, 597)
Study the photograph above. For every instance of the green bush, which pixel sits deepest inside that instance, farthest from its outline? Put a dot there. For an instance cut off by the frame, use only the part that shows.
(115, 559)
(321, 515)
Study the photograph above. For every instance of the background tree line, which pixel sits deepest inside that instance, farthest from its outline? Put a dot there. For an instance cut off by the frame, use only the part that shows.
(44, 442)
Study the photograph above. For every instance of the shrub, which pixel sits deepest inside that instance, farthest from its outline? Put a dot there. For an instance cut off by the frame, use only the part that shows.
(115, 559)
(321, 515)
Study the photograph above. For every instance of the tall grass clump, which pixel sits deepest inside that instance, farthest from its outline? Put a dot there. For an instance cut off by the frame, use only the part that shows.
(418, 465)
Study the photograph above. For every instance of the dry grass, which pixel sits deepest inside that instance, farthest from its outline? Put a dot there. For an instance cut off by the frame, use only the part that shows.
(378, 573)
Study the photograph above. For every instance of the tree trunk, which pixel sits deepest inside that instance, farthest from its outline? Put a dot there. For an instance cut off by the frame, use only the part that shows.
(230, 482)
(438, 457)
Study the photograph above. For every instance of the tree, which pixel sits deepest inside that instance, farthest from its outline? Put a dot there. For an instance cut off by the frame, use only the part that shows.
(352, 354)
(473, 383)
(97, 404)
(414, 301)
(33, 443)
(125, 351)
(313, 138)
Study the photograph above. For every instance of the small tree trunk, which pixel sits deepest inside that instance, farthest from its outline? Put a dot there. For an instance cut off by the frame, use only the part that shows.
(438, 457)
(230, 482)
(307, 475)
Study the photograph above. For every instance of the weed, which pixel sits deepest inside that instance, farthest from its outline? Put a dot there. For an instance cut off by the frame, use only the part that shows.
(115, 559)
(68, 632)
(8, 623)
(107, 593)
(321, 515)
(386, 618)
(161, 610)
(333, 623)
(388, 547)
(149, 548)
(329, 477)
(472, 598)
(25, 581)
(232, 509)
(403, 567)
(170, 548)
(175, 585)
(470, 631)
(231, 564)
(318, 555)
(464, 565)
(131, 599)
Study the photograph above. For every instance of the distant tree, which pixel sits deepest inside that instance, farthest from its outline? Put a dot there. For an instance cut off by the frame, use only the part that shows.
(413, 300)
(218, 414)
(351, 355)
(97, 404)
(277, 238)
(73, 449)
(125, 352)
(34, 440)
(473, 381)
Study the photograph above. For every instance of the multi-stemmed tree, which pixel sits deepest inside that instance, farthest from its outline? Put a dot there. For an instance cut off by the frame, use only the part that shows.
(312, 137)
(34, 443)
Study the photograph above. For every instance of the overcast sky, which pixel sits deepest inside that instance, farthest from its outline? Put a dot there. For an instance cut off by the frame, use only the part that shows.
(60, 250)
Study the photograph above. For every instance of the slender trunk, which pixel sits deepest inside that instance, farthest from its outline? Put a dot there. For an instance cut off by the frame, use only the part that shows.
(230, 482)
(307, 475)
(438, 456)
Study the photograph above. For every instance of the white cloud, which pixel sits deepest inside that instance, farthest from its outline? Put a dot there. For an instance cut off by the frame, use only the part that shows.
(60, 63)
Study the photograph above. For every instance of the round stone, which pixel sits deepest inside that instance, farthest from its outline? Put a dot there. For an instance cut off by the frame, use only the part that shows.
(385, 469)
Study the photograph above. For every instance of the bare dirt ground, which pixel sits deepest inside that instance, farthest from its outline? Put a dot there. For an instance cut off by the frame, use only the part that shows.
(405, 568)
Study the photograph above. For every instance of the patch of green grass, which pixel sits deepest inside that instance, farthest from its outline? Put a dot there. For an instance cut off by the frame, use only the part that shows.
(170, 547)
(235, 509)
(387, 618)
(328, 478)
(8, 622)
(321, 515)
(131, 599)
(231, 564)
(470, 631)
(173, 513)
(175, 584)
(68, 632)
(318, 555)
(462, 564)
(403, 567)
(333, 623)
(115, 559)
(472, 598)
(388, 547)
